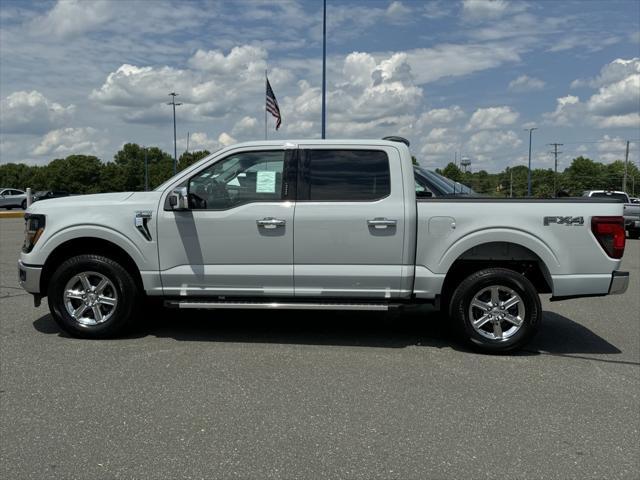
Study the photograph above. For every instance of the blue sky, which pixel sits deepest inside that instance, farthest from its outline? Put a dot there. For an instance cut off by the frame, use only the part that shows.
(452, 76)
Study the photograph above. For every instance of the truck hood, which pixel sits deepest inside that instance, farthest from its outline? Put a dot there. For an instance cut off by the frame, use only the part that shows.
(90, 201)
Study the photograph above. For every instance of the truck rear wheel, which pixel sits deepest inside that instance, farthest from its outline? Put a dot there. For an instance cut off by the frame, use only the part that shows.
(496, 310)
(91, 296)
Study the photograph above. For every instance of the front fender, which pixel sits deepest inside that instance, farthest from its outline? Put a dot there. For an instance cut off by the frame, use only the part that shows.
(143, 260)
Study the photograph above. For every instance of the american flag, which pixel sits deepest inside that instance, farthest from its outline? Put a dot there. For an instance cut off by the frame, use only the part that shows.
(272, 105)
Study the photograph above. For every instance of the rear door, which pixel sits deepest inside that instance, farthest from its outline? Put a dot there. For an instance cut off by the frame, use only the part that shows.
(349, 222)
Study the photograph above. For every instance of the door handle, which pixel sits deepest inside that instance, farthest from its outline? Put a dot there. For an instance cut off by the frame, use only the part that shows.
(379, 222)
(271, 222)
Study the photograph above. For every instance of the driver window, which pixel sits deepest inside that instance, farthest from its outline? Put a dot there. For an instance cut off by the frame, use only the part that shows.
(238, 179)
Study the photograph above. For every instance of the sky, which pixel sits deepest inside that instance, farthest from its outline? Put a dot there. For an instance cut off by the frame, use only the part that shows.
(457, 78)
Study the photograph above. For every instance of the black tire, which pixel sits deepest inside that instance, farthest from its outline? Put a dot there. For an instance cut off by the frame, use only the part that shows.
(9, 207)
(23, 205)
(634, 233)
(124, 287)
(482, 281)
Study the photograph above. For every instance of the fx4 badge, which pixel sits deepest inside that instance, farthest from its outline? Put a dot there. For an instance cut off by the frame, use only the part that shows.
(568, 221)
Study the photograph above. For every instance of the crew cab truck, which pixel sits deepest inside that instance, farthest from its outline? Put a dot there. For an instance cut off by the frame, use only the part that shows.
(318, 224)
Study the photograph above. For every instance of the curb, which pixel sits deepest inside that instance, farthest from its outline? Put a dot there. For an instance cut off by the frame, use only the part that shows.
(9, 214)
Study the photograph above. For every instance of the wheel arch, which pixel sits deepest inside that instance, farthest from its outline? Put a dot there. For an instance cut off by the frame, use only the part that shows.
(88, 245)
(498, 254)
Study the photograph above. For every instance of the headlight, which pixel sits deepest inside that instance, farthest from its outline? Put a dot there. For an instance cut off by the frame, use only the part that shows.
(33, 229)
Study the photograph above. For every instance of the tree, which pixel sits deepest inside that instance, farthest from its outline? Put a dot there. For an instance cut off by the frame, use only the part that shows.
(189, 158)
(453, 172)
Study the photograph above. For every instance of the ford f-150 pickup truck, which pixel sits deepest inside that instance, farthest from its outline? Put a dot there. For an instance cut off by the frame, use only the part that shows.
(318, 224)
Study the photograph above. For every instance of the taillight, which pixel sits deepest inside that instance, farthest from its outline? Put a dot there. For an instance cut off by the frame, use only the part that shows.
(609, 231)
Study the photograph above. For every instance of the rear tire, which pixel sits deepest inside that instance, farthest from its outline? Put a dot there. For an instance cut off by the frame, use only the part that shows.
(634, 233)
(496, 310)
(23, 205)
(92, 296)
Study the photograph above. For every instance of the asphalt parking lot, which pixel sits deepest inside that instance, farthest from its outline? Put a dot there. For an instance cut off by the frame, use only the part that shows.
(322, 395)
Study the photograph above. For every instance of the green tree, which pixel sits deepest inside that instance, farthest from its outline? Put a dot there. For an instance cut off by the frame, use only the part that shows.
(189, 158)
(452, 171)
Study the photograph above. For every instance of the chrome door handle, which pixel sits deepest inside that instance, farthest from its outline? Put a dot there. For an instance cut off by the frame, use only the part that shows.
(271, 222)
(379, 222)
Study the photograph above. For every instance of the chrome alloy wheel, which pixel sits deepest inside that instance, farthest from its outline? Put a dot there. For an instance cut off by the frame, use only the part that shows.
(496, 312)
(90, 298)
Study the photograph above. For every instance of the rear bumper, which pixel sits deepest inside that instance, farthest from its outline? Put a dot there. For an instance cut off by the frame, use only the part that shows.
(577, 286)
(29, 276)
(619, 283)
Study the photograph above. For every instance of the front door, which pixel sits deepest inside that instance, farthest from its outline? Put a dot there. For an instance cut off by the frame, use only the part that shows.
(349, 223)
(236, 238)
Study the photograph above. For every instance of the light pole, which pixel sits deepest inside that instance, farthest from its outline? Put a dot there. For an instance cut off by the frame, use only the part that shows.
(146, 171)
(529, 174)
(175, 148)
(324, 66)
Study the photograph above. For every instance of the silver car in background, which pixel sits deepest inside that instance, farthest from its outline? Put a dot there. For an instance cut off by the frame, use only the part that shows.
(12, 197)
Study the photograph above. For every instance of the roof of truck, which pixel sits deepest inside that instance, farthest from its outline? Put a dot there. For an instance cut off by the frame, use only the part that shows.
(316, 141)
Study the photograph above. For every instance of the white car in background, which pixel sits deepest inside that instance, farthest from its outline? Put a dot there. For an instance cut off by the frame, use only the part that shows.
(12, 197)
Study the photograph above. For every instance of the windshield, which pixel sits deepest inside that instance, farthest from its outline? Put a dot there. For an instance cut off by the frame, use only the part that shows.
(442, 184)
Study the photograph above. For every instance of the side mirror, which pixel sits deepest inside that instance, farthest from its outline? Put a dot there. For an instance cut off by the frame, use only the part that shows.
(424, 194)
(178, 199)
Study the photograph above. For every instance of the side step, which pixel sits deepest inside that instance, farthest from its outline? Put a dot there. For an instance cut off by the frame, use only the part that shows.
(276, 305)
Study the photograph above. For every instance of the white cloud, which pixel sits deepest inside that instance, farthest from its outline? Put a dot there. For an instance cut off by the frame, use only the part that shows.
(453, 60)
(199, 141)
(225, 139)
(440, 116)
(524, 83)
(492, 117)
(613, 72)
(480, 10)
(488, 142)
(216, 85)
(619, 98)
(611, 148)
(567, 110)
(615, 105)
(73, 17)
(245, 126)
(67, 141)
(32, 113)
(367, 97)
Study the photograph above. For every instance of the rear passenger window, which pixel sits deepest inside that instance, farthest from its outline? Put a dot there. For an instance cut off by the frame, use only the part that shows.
(346, 175)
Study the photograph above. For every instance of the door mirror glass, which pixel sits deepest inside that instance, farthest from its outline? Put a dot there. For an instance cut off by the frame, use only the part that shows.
(178, 199)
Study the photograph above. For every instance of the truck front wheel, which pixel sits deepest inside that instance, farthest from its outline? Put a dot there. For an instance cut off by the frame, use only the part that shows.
(92, 296)
(496, 310)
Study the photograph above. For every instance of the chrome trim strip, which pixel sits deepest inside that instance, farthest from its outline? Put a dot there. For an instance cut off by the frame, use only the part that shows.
(278, 305)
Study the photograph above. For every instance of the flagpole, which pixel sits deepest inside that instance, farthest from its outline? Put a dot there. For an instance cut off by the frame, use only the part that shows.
(265, 104)
(324, 65)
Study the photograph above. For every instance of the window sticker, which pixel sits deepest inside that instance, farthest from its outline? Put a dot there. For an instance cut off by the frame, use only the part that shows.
(266, 182)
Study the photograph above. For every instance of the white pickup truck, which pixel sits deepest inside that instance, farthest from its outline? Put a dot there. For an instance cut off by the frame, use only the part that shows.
(318, 224)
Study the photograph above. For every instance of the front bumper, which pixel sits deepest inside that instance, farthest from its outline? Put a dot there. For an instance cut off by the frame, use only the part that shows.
(619, 283)
(29, 277)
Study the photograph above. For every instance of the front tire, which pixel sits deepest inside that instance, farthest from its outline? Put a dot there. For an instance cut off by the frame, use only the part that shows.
(92, 296)
(496, 310)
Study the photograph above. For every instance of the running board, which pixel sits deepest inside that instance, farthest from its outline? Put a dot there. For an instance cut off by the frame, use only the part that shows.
(253, 305)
